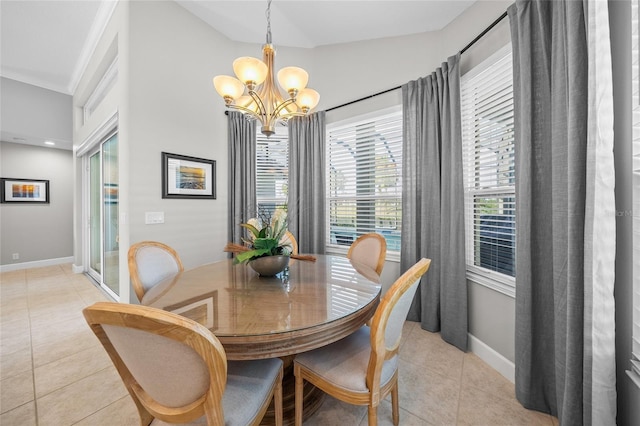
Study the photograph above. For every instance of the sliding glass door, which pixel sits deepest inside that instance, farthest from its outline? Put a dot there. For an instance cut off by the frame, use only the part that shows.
(103, 212)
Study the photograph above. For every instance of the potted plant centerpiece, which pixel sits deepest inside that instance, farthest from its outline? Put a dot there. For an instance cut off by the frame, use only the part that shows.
(267, 249)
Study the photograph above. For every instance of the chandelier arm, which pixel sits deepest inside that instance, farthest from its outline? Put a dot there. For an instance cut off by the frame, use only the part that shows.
(261, 108)
(281, 107)
(245, 110)
(292, 114)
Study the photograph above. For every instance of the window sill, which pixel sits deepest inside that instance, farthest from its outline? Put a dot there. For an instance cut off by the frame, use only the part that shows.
(501, 284)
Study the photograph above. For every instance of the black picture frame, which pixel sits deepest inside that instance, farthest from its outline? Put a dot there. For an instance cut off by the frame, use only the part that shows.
(24, 191)
(188, 177)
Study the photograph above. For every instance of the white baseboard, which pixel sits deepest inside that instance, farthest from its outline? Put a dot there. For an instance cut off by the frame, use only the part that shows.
(35, 264)
(77, 269)
(501, 364)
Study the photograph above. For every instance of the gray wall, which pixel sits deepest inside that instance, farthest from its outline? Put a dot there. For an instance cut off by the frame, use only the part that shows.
(628, 393)
(37, 231)
(35, 112)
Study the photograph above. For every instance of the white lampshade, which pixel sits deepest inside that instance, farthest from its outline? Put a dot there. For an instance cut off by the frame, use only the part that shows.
(250, 69)
(293, 78)
(308, 99)
(228, 87)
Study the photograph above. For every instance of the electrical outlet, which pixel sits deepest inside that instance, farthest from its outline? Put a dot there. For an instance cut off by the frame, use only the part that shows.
(16, 256)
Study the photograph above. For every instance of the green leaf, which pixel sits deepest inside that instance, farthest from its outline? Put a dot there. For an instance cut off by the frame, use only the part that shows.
(265, 243)
(251, 254)
(263, 232)
(252, 229)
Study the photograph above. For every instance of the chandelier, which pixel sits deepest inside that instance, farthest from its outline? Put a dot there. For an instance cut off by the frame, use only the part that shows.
(256, 94)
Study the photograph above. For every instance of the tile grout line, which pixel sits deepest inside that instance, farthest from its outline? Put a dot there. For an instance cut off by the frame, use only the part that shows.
(464, 356)
(33, 364)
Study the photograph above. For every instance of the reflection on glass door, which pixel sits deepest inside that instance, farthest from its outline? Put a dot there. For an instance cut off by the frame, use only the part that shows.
(103, 215)
(111, 224)
(95, 218)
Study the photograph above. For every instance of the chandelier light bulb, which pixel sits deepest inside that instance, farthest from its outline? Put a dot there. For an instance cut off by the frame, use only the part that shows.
(250, 70)
(228, 87)
(293, 79)
(308, 99)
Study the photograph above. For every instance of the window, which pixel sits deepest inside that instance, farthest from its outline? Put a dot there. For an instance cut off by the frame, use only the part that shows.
(103, 87)
(272, 171)
(489, 172)
(364, 180)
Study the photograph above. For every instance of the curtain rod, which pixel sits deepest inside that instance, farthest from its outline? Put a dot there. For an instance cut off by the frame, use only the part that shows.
(478, 37)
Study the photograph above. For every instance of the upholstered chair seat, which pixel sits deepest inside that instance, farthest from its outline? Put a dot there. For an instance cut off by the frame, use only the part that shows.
(343, 364)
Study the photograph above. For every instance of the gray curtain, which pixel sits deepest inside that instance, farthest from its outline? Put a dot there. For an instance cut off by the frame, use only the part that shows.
(242, 173)
(550, 101)
(306, 205)
(433, 201)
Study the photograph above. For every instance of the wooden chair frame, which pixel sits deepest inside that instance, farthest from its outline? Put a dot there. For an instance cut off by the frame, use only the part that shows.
(288, 236)
(187, 332)
(383, 249)
(138, 287)
(379, 353)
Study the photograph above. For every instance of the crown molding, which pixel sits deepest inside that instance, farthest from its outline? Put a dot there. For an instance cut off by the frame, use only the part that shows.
(107, 7)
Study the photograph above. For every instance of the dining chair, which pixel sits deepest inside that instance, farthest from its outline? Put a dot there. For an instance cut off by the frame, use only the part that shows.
(370, 249)
(362, 368)
(151, 262)
(175, 369)
(288, 238)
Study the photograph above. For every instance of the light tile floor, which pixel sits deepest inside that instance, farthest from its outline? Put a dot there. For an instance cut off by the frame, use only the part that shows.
(53, 370)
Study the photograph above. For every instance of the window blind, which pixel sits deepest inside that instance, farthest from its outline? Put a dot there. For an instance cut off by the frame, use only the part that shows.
(634, 371)
(364, 180)
(272, 171)
(489, 169)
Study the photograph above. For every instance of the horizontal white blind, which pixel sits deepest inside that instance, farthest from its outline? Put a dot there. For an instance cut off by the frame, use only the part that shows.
(489, 166)
(634, 371)
(364, 180)
(272, 171)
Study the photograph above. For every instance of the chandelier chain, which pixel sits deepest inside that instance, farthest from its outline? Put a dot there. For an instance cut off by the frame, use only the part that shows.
(268, 14)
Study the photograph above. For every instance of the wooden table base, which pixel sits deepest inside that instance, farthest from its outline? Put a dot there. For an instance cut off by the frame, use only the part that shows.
(312, 399)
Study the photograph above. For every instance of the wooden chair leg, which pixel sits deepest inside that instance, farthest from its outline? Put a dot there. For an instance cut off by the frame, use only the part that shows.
(299, 396)
(395, 403)
(373, 415)
(277, 399)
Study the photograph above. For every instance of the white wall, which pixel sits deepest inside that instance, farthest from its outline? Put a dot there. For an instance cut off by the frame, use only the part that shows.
(175, 109)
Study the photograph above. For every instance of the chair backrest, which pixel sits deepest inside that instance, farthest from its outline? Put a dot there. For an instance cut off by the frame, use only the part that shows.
(390, 315)
(370, 249)
(174, 368)
(151, 262)
(288, 238)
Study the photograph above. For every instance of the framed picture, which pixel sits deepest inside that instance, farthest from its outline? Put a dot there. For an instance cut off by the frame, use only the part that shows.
(24, 191)
(188, 177)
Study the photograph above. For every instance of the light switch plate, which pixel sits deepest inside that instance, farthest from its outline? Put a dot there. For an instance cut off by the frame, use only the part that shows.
(153, 218)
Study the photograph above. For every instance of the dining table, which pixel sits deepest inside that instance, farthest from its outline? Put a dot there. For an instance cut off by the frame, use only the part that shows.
(312, 303)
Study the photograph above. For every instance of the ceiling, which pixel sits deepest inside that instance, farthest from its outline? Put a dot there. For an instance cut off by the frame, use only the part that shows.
(47, 43)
